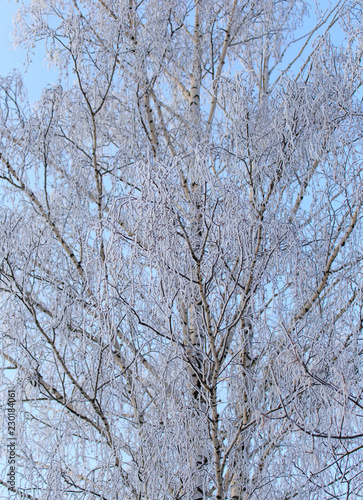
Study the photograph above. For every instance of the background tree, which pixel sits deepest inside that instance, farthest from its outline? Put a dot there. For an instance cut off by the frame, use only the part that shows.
(181, 228)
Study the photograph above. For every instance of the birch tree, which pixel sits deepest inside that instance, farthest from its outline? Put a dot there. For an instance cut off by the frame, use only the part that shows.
(180, 248)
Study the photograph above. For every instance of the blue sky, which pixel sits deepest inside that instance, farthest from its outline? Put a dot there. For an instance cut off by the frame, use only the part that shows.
(36, 76)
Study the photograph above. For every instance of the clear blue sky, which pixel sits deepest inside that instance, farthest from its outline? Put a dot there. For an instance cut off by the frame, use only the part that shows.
(37, 76)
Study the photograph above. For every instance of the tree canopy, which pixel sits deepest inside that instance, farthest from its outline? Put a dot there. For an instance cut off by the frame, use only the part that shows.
(180, 251)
